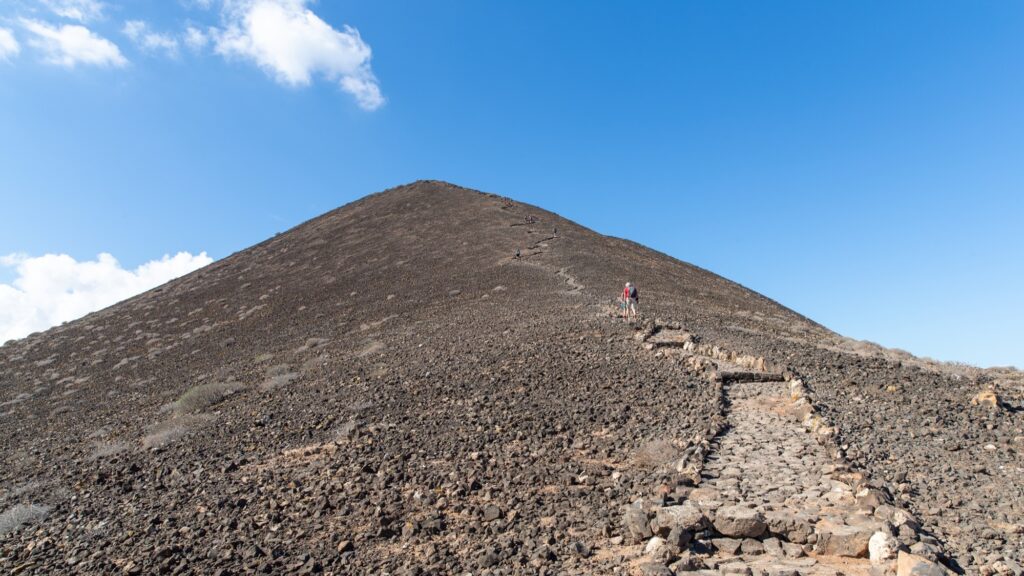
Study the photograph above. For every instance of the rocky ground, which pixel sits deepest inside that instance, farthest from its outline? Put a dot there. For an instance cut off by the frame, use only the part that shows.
(772, 493)
(387, 389)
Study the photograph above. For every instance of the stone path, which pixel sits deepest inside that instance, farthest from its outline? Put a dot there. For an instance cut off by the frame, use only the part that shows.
(772, 498)
(766, 476)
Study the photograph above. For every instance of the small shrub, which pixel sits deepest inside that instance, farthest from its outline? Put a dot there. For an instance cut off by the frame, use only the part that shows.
(203, 396)
(278, 370)
(170, 430)
(275, 382)
(278, 376)
(346, 430)
(108, 449)
(19, 515)
(372, 347)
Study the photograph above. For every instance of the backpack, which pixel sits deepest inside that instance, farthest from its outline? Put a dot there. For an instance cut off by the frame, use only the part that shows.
(634, 294)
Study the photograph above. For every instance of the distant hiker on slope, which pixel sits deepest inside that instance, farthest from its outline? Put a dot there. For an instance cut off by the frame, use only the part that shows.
(630, 299)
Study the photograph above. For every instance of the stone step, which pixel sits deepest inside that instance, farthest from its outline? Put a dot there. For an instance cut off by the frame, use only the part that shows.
(747, 376)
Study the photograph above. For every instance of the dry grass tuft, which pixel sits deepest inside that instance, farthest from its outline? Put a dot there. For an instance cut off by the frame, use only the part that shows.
(278, 376)
(203, 396)
(371, 347)
(170, 430)
(21, 514)
(108, 449)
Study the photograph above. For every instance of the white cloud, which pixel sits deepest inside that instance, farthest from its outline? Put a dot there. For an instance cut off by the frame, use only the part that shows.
(201, 4)
(72, 44)
(196, 39)
(139, 33)
(293, 44)
(81, 10)
(8, 45)
(134, 29)
(56, 288)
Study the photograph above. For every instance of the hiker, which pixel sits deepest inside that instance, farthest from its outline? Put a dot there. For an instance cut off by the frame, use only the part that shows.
(630, 299)
(517, 253)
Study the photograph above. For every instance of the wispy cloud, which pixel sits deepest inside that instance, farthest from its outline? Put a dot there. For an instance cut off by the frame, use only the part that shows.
(56, 288)
(71, 44)
(196, 39)
(139, 33)
(80, 10)
(285, 38)
(292, 44)
(9, 46)
(201, 4)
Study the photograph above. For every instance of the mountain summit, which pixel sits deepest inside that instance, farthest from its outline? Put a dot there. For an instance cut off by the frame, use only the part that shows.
(390, 388)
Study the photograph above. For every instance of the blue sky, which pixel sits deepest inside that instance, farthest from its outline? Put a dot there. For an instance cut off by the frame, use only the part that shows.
(860, 162)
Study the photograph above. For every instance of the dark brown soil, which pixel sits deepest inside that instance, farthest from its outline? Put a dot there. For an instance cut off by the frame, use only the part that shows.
(386, 389)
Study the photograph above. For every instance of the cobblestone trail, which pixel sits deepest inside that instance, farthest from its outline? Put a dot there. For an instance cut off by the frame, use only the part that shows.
(766, 465)
(772, 497)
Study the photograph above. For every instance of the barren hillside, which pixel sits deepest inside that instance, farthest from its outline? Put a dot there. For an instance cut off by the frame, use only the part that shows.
(388, 389)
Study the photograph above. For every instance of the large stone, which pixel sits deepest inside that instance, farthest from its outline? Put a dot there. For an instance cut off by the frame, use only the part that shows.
(1006, 567)
(686, 516)
(638, 529)
(658, 549)
(773, 547)
(882, 548)
(793, 527)
(679, 538)
(727, 545)
(986, 398)
(688, 562)
(871, 498)
(707, 499)
(927, 550)
(751, 547)
(735, 569)
(913, 565)
(740, 522)
(835, 539)
(791, 550)
(654, 546)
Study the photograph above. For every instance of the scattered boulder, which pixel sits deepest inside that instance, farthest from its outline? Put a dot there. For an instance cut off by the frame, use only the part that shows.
(688, 562)
(686, 516)
(773, 547)
(735, 569)
(751, 547)
(835, 539)
(882, 548)
(987, 399)
(727, 545)
(912, 565)
(637, 527)
(792, 550)
(658, 548)
(491, 513)
(1004, 567)
(791, 526)
(740, 522)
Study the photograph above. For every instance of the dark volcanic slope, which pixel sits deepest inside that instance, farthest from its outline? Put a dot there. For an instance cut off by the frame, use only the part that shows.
(385, 389)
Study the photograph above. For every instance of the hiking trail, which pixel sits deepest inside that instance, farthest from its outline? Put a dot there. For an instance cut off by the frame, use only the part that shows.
(769, 493)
